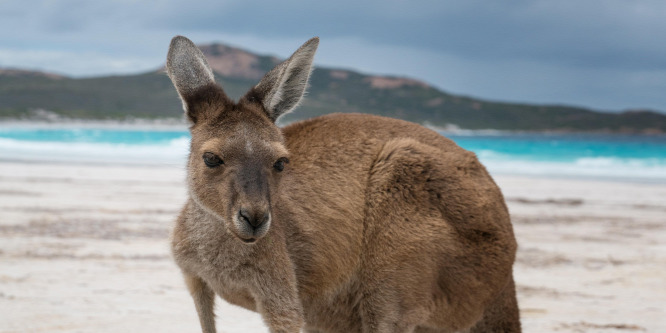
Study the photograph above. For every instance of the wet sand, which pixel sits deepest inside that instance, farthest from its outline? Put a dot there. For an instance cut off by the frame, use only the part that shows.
(84, 248)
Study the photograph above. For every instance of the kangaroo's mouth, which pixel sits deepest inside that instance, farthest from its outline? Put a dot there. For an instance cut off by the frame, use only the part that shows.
(245, 238)
(248, 240)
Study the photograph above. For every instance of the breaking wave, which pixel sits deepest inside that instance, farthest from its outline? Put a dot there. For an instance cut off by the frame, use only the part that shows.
(642, 169)
(172, 152)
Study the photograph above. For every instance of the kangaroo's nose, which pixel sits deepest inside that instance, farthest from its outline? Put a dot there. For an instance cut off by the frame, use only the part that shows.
(255, 218)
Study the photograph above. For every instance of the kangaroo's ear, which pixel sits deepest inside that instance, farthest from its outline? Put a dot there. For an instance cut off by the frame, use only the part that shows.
(191, 75)
(281, 89)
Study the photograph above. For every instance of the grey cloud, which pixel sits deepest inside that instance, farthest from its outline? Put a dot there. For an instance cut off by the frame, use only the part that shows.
(599, 53)
(609, 33)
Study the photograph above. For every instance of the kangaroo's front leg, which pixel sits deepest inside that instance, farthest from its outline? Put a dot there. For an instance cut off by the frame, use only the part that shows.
(277, 296)
(204, 301)
(282, 312)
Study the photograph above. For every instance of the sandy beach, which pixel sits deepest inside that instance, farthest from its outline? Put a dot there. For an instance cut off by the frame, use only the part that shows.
(84, 248)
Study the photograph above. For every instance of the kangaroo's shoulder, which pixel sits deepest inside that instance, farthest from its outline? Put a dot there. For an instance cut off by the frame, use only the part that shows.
(359, 128)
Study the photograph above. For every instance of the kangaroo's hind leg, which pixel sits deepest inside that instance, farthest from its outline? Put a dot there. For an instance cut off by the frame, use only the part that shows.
(438, 241)
(502, 315)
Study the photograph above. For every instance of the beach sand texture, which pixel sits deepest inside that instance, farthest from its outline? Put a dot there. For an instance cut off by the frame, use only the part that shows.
(84, 248)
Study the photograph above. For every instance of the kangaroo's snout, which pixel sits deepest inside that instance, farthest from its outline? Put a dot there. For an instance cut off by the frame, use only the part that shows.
(252, 223)
(254, 217)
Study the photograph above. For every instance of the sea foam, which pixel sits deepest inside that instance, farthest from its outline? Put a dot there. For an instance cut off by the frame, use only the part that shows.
(173, 152)
(588, 167)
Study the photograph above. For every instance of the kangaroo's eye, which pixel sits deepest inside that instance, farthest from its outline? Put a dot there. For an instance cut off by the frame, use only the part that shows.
(212, 160)
(279, 164)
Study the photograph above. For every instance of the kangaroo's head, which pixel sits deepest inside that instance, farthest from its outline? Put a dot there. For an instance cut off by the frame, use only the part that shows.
(237, 153)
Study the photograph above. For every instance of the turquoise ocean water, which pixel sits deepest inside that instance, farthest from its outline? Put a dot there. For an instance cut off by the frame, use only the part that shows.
(628, 157)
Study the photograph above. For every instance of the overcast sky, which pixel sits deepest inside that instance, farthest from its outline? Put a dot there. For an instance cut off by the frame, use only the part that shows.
(603, 54)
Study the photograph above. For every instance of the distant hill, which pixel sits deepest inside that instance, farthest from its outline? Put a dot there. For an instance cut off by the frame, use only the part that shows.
(151, 95)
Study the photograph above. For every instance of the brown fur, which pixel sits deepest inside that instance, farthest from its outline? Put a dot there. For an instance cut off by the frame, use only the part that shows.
(377, 224)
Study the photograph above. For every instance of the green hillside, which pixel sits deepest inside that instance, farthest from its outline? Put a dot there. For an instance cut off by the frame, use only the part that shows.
(151, 95)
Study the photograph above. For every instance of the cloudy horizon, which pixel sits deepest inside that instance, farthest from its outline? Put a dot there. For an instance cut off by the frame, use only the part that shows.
(606, 55)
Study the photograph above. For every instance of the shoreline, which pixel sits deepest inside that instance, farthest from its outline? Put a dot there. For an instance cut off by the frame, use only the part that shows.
(577, 156)
(168, 165)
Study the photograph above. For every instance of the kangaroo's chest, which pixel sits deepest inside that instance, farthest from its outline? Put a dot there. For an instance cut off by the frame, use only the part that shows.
(224, 270)
(235, 293)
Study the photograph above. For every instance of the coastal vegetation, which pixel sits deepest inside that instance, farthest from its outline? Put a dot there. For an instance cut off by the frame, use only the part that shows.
(26, 94)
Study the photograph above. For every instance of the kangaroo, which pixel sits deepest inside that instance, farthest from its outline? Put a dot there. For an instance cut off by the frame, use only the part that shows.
(341, 223)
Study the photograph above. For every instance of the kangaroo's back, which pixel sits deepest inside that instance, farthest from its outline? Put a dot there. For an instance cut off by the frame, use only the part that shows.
(376, 195)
